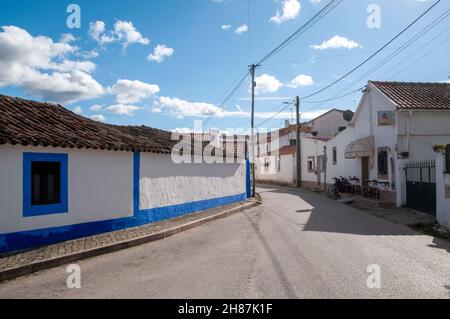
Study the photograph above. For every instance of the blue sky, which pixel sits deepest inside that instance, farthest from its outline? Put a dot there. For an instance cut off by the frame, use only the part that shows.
(167, 63)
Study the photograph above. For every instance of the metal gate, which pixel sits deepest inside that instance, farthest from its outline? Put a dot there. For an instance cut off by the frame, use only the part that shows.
(421, 186)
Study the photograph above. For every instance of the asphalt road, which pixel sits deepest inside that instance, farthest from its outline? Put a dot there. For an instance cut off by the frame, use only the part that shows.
(292, 246)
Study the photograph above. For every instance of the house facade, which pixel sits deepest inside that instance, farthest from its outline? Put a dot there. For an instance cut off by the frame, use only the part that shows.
(389, 143)
(277, 159)
(64, 176)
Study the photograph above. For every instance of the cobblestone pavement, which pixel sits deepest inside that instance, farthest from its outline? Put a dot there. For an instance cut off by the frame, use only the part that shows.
(102, 240)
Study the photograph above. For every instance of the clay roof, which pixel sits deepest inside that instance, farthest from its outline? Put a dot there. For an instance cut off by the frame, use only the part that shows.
(420, 96)
(288, 150)
(34, 123)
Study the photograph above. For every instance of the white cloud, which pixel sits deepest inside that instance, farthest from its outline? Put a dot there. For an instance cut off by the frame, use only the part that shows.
(160, 53)
(128, 92)
(291, 10)
(301, 80)
(181, 108)
(78, 110)
(98, 118)
(67, 65)
(336, 42)
(128, 34)
(96, 107)
(67, 38)
(241, 29)
(123, 109)
(41, 66)
(267, 84)
(124, 32)
(226, 27)
(316, 1)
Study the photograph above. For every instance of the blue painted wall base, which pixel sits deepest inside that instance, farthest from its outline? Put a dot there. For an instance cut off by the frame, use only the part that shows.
(34, 238)
(40, 237)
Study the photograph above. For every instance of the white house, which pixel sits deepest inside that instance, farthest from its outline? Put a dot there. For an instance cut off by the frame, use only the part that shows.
(63, 176)
(276, 151)
(390, 141)
(328, 124)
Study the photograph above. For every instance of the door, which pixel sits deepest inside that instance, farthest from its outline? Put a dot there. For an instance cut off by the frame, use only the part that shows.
(421, 186)
(364, 170)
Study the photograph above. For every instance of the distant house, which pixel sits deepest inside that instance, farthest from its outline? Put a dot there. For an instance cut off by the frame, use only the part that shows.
(276, 152)
(389, 143)
(64, 176)
(328, 124)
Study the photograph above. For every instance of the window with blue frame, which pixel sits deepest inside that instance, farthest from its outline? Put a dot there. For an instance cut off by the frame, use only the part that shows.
(45, 184)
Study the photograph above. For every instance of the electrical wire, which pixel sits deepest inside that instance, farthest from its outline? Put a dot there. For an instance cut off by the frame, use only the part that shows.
(306, 26)
(374, 54)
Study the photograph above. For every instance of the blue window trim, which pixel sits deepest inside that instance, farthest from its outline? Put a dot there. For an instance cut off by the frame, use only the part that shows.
(39, 210)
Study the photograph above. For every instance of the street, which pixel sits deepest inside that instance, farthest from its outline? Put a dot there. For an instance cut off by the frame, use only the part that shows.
(291, 246)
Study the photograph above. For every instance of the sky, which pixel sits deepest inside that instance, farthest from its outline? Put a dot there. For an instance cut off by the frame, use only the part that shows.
(168, 63)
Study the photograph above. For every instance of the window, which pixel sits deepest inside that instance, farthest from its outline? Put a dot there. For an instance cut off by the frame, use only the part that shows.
(334, 155)
(45, 179)
(279, 163)
(45, 183)
(321, 163)
(293, 142)
(266, 165)
(383, 163)
(311, 164)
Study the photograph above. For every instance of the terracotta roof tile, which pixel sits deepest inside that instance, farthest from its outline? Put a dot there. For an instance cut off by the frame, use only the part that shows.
(33, 123)
(420, 96)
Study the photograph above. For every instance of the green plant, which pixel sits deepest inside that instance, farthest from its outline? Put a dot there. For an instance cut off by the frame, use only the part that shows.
(439, 148)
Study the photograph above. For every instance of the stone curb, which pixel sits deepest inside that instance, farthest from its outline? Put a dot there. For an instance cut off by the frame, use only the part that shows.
(12, 273)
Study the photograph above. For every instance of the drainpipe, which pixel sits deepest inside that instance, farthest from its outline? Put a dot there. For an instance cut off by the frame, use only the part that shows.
(325, 170)
(408, 129)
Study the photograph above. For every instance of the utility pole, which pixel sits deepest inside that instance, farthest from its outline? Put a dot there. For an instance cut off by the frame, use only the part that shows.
(252, 72)
(299, 154)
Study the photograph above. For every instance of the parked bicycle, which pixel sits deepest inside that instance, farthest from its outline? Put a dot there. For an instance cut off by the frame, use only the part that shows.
(340, 185)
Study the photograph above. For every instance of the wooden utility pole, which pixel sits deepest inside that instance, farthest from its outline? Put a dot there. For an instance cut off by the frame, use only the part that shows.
(252, 72)
(299, 154)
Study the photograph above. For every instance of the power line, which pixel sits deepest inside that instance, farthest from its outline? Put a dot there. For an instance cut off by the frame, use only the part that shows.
(272, 117)
(311, 22)
(395, 53)
(426, 45)
(230, 95)
(375, 53)
(407, 44)
(334, 98)
(420, 58)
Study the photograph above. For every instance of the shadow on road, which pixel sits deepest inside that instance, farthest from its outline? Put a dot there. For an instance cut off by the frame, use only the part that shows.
(328, 215)
(286, 283)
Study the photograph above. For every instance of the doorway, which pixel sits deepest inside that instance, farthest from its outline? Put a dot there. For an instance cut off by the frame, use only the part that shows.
(364, 171)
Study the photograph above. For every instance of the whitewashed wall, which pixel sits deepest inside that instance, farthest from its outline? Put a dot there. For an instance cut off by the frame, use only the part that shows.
(363, 125)
(328, 124)
(164, 183)
(100, 188)
(427, 128)
(285, 175)
(442, 193)
(311, 147)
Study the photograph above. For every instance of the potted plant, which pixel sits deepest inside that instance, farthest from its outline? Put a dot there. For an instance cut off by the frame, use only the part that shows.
(404, 154)
(440, 148)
